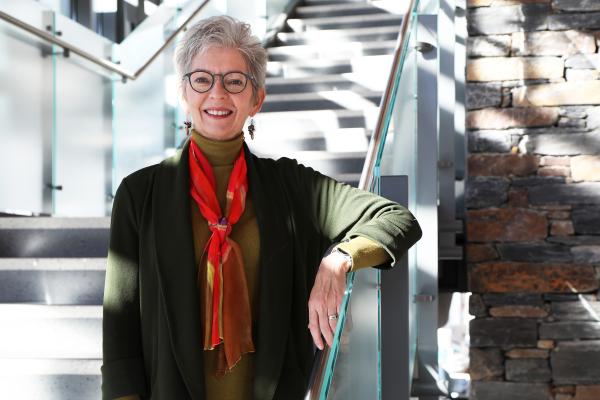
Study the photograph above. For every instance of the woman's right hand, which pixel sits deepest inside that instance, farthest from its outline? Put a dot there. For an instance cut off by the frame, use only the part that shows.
(326, 297)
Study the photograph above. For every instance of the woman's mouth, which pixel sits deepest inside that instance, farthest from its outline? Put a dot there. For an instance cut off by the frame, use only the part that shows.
(218, 113)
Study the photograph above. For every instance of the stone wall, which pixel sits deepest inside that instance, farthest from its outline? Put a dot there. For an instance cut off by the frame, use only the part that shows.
(533, 198)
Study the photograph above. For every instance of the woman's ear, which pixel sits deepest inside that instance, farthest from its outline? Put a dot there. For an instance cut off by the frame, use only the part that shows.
(260, 99)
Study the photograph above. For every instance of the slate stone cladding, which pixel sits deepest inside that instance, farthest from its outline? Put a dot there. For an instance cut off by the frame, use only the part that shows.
(533, 198)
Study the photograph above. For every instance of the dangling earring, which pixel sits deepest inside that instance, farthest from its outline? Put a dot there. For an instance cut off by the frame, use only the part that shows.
(188, 127)
(251, 128)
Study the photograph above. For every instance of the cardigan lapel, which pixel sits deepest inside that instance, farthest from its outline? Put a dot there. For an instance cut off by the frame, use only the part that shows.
(177, 271)
(276, 264)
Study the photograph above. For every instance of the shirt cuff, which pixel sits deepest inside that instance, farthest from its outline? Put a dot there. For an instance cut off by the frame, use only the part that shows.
(365, 252)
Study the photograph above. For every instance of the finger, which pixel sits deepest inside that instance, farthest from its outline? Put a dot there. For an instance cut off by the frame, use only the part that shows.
(324, 326)
(313, 326)
(332, 321)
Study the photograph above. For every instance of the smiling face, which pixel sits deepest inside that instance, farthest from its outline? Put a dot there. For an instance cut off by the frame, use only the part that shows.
(218, 114)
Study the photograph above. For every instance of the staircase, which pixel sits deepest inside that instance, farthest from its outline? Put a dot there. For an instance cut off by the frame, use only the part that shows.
(51, 288)
(325, 79)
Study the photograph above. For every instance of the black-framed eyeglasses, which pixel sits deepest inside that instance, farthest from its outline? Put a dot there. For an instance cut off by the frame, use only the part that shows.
(202, 81)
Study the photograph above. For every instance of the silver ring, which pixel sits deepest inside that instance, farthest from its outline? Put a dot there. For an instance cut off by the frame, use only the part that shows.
(332, 317)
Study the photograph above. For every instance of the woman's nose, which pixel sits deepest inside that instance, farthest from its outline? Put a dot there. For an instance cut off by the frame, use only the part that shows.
(218, 90)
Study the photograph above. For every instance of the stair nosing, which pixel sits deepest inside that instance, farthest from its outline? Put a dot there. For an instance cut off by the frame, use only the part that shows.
(53, 264)
(46, 366)
(277, 50)
(365, 30)
(338, 112)
(308, 96)
(347, 19)
(337, 6)
(317, 78)
(54, 223)
(328, 63)
(20, 311)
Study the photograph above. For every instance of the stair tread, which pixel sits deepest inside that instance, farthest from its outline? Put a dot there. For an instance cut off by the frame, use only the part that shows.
(353, 45)
(346, 19)
(336, 33)
(272, 135)
(320, 95)
(54, 223)
(338, 6)
(317, 78)
(324, 62)
(309, 155)
(42, 311)
(316, 113)
(53, 264)
(43, 366)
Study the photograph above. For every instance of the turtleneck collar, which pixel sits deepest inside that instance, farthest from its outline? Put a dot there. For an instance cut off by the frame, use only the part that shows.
(219, 153)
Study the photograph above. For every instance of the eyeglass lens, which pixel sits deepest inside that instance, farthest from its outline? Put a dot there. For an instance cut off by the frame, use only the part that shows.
(233, 82)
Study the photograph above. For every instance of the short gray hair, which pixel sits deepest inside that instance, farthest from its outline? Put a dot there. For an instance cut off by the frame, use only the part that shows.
(227, 32)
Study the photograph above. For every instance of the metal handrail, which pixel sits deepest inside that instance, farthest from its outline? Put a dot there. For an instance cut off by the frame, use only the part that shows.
(391, 88)
(109, 65)
(367, 178)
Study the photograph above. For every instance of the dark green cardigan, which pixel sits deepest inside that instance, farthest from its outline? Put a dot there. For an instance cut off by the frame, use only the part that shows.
(151, 328)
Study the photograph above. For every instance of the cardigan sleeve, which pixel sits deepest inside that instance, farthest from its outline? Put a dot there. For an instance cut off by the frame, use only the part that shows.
(123, 370)
(342, 212)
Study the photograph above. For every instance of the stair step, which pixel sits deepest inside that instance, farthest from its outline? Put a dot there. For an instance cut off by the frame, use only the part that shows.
(290, 122)
(35, 379)
(328, 163)
(351, 139)
(43, 366)
(341, 51)
(324, 100)
(328, 2)
(337, 9)
(53, 237)
(351, 179)
(348, 81)
(53, 332)
(42, 280)
(368, 34)
(35, 223)
(350, 21)
(367, 65)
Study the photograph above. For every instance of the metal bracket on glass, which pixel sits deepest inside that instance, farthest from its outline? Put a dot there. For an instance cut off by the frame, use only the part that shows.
(445, 164)
(53, 187)
(424, 47)
(49, 29)
(424, 298)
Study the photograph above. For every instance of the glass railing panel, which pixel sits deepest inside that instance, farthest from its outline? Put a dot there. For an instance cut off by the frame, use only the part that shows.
(147, 118)
(26, 99)
(354, 371)
(355, 374)
(142, 43)
(82, 124)
(274, 9)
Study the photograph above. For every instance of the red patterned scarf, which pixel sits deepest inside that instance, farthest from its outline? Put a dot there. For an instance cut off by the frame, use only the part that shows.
(226, 306)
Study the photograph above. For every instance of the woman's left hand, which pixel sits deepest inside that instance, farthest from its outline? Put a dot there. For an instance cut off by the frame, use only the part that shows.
(326, 297)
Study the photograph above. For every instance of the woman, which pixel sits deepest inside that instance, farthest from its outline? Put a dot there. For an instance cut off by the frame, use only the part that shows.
(206, 288)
